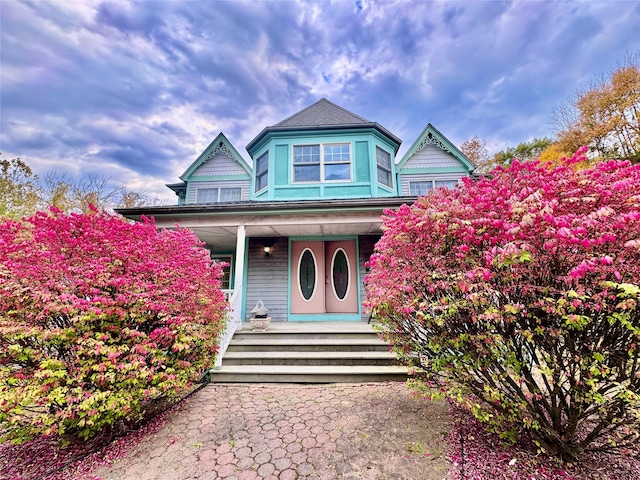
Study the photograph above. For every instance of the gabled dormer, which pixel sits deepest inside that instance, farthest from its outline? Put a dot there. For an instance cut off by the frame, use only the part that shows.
(323, 152)
(432, 161)
(218, 175)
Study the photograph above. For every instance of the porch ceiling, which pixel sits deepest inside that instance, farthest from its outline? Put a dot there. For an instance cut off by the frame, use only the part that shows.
(222, 232)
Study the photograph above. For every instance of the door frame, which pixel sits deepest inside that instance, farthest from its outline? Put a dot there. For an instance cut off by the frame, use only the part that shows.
(324, 317)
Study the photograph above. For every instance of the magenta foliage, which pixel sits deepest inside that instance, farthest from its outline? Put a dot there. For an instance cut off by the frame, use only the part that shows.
(522, 290)
(97, 317)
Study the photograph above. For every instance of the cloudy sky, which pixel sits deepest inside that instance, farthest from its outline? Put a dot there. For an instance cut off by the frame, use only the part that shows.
(136, 90)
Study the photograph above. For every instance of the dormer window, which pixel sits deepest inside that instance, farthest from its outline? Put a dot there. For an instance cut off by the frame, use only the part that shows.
(329, 162)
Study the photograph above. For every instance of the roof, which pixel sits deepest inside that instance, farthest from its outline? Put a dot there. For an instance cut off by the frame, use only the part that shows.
(323, 115)
(263, 207)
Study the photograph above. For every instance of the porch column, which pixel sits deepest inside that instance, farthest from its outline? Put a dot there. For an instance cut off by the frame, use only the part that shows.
(239, 275)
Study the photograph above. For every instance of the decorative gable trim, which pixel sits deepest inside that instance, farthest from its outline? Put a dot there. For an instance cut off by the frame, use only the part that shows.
(219, 145)
(431, 136)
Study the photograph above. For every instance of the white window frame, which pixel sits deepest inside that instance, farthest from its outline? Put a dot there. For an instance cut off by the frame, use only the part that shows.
(218, 194)
(379, 167)
(322, 163)
(259, 174)
(433, 184)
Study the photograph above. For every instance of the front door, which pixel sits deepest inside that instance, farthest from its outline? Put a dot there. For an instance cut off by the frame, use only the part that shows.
(324, 277)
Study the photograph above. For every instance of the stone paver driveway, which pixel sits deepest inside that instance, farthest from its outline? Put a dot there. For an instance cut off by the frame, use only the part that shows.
(365, 431)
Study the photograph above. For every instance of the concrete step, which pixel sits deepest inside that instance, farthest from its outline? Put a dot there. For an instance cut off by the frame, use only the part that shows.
(319, 358)
(243, 344)
(327, 352)
(308, 374)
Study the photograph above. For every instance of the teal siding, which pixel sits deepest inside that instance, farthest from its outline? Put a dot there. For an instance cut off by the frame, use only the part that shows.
(363, 182)
(362, 162)
(281, 168)
(298, 192)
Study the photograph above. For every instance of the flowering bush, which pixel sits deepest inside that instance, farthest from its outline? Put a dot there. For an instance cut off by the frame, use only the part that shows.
(97, 317)
(518, 296)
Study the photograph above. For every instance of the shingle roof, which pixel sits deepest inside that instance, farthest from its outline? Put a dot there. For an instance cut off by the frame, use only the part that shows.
(323, 112)
(322, 115)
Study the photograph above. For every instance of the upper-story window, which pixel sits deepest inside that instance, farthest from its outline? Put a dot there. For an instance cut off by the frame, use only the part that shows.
(383, 160)
(329, 162)
(422, 187)
(262, 171)
(217, 195)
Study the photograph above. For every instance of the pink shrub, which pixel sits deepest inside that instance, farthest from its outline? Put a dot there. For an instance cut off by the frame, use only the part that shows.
(97, 317)
(521, 291)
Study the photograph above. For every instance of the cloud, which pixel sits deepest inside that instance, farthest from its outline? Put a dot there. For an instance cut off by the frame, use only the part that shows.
(136, 90)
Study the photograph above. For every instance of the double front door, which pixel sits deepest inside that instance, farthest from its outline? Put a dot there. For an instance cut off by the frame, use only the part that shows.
(323, 277)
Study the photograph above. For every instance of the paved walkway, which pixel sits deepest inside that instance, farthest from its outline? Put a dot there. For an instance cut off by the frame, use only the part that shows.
(286, 432)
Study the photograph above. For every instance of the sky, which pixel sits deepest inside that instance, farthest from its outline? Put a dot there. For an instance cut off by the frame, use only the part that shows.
(135, 91)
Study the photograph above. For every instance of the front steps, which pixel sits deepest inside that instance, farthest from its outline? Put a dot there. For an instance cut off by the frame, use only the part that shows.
(289, 352)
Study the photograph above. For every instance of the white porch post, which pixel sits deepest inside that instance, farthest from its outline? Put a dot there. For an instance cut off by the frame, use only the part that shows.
(235, 302)
(239, 276)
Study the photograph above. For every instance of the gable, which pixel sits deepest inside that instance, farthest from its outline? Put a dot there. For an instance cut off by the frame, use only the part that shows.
(432, 150)
(219, 159)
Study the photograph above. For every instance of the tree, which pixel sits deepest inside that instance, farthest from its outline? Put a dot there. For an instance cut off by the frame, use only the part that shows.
(524, 151)
(18, 189)
(605, 116)
(99, 317)
(475, 150)
(519, 297)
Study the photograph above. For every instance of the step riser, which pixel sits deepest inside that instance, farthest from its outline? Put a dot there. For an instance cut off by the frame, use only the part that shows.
(221, 377)
(310, 361)
(301, 336)
(308, 348)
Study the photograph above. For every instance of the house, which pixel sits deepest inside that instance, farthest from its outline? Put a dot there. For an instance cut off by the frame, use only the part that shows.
(297, 223)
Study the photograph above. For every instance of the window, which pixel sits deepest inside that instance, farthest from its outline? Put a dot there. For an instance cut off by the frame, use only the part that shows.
(422, 187)
(217, 195)
(226, 270)
(337, 162)
(262, 171)
(306, 163)
(383, 159)
(329, 162)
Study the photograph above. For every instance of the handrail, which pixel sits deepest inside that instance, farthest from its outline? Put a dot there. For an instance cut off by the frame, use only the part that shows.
(233, 323)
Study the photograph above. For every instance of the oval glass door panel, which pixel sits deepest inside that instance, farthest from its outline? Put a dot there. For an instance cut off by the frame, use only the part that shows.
(340, 274)
(307, 274)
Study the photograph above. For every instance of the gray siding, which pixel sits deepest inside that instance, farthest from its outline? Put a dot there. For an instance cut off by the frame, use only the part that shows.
(405, 179)
(431, 156)
(218, 165)
(193, 186)
(267, 277)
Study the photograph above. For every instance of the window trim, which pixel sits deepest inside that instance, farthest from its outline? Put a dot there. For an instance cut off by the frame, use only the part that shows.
(379, 167)
(260, 175)
(321, 146)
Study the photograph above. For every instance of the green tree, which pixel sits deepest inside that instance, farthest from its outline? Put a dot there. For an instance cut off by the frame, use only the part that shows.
(18, 189)
(524, 151)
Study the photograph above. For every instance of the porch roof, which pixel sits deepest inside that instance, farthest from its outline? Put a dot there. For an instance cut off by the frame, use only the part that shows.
(216, 224)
